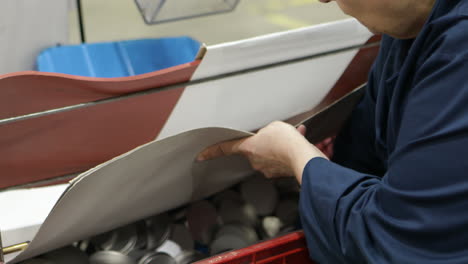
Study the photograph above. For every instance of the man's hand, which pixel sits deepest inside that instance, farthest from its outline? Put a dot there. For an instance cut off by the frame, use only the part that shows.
(325, 146)
(276, 150)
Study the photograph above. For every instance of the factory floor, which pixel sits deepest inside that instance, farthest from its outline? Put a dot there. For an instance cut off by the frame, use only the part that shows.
(111, 20)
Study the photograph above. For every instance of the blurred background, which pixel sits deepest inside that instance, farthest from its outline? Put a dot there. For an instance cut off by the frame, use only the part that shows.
(107, 20)
(29, 26)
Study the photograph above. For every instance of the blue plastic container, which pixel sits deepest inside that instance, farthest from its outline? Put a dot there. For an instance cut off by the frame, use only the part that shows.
(118, 59)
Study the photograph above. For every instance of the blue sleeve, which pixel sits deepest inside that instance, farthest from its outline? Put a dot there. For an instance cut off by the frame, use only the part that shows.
(418, 211)
(358, 152)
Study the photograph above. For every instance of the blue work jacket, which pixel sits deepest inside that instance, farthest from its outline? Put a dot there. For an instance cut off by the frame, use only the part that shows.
(396, 190)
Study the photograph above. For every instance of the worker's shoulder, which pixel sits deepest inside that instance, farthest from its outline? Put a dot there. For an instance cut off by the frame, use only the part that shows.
(449, 8)
(445, 12)
(461, 8)
(447, 32)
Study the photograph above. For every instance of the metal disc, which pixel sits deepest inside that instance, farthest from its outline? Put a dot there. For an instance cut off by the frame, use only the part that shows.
(110, 257)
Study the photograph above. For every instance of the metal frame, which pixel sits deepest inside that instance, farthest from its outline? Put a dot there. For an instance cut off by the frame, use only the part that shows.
(79, 7)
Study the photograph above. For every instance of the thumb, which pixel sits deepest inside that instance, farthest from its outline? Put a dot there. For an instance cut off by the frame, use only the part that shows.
(302, 129)
(221, 149)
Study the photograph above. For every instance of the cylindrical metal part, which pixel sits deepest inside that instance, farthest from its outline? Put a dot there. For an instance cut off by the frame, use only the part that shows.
(261, 193)
(157, 258)
(271, 226)
(67, 255)
(227, 195)
(230, 237)
(158, 230)
(170, 247)
(233, 211)
(202, 220)
(288, 211)
(187, 257)
(247, 233)
(110, 257)
(124, 239)
(178, 214)
(227, 243)
(182, 236)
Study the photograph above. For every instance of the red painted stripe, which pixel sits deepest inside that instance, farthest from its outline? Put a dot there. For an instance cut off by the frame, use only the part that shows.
(70, 142)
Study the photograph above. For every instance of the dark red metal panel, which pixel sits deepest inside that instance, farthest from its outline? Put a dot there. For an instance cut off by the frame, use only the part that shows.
(74, 141)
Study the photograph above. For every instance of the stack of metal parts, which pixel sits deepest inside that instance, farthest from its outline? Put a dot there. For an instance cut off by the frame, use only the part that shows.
(257, 209)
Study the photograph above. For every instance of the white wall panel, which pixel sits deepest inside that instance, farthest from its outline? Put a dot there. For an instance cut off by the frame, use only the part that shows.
(26, 28)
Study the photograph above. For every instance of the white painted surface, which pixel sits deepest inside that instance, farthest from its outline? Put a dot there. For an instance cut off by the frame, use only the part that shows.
(250, 101)
(281, 46)
(24, 211)
(27, 27)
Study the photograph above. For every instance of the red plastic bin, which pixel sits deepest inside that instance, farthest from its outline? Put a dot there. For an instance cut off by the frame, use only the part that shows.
(287, 249)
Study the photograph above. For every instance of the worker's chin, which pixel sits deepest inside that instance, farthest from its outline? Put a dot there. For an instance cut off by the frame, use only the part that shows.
(393, 33)
(373, 30)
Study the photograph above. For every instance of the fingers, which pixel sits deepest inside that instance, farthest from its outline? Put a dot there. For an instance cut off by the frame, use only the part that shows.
(221, 149)
(328, 141)
(320, 146)
(302, 129)
(326, 146)
(270, 169)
